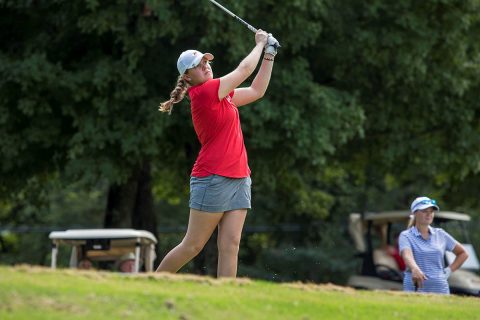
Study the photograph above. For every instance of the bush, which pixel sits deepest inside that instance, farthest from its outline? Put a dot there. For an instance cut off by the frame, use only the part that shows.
(306, 264)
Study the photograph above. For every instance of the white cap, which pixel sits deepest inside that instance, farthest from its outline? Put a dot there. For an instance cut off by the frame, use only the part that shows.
(421, 203)
(190, 59)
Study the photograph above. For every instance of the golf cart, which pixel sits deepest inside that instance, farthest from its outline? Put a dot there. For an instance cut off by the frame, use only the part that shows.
(125, 250)
(374, 233)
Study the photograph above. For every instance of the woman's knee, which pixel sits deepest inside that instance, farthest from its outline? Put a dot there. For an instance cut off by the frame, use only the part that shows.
(228, 245)
(192, 248)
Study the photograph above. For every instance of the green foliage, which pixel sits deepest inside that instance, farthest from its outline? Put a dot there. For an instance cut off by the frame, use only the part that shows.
(370, 104)
(415, 66)
(59, 208)
(315, 264)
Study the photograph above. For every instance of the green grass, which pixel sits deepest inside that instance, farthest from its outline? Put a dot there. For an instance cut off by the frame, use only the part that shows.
(28, 292)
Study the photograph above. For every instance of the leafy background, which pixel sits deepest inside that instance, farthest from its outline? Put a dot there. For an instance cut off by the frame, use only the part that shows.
(370, 105)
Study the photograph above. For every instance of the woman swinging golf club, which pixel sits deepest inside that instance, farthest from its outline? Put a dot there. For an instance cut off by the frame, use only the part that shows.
(220, 184)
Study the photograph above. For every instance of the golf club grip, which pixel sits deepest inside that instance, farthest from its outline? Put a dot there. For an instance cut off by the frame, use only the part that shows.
(254, 30)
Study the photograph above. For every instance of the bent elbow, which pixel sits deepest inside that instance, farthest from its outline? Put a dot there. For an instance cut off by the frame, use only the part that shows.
(258, 90)
(259, 94)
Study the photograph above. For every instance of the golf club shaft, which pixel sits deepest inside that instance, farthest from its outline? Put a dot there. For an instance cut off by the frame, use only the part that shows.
(234, 15)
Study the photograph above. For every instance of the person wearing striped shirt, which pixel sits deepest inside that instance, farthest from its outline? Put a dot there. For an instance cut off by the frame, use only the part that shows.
(423, 249)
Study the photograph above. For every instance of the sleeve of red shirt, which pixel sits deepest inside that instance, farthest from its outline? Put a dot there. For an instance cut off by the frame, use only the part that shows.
(211, 88)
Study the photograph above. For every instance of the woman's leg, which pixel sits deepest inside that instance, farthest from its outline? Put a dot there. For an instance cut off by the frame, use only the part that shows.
(200, 227)
(229, 235)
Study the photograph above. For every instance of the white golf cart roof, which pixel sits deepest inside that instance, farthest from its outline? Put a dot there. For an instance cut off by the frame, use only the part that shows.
(394, 216)
(145, 237)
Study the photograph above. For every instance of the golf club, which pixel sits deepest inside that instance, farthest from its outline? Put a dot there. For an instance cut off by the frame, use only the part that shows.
(254, 30)
(271, 39)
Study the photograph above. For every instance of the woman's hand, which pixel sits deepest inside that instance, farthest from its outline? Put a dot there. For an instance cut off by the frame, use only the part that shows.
(261, 37)
(418, 277)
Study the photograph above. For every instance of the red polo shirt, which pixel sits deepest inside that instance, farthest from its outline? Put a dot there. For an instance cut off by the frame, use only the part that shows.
(217, 124)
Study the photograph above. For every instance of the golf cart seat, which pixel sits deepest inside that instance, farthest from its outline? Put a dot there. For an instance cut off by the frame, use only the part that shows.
(106, 247)
(382, 258)
(385, 266)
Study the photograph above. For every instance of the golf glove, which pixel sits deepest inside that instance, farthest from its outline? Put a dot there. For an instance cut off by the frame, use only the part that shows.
(447, 271)
(272, 45)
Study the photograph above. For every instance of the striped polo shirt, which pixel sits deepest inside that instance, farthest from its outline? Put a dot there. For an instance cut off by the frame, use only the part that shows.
(429, 256)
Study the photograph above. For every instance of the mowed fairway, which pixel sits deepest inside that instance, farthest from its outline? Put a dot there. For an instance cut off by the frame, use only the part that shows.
(39, 293)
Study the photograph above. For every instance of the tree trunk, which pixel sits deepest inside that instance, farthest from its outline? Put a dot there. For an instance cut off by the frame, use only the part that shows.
(130, 205)
(143, 216)
(120, 204)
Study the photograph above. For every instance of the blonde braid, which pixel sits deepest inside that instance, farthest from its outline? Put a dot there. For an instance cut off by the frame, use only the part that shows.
(176, 96)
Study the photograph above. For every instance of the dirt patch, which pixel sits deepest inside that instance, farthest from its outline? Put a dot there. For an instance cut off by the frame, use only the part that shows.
(16, 301)
(193, 278)
(100, 274)
(320, 287)
(91, 274)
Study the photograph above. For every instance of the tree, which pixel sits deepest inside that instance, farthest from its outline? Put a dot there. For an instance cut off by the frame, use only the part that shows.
(415, 66)
(369, 104)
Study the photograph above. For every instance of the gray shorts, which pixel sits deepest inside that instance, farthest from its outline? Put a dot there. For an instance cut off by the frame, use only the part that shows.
(215, 193)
